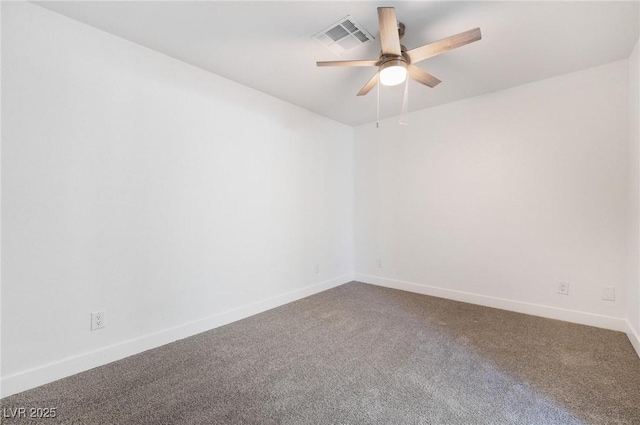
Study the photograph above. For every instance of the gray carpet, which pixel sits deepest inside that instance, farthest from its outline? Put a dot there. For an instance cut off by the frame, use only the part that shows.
(360, 354)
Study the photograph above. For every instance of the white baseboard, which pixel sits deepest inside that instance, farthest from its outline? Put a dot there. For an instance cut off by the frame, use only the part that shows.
(634, 338)
(580, 317)
(41, 375)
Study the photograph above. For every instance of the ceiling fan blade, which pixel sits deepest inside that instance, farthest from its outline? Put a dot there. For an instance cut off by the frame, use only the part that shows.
(432, 49)
(389, 38)
(370, 84)
(348, 63)
(422, 76)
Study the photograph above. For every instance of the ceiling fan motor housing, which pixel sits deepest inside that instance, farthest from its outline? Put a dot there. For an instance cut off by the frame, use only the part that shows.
(387, 61)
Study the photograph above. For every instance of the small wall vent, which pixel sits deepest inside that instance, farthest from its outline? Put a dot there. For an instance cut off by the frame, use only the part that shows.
(343, 36)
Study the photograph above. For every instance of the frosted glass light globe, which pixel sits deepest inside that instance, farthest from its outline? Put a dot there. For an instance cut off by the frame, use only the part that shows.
(393, 75)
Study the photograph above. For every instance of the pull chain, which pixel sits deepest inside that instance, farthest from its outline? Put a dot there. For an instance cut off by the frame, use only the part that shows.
(404, 114)
(378, 104)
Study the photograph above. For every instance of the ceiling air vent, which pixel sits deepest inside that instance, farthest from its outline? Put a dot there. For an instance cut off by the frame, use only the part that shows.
(343, 36)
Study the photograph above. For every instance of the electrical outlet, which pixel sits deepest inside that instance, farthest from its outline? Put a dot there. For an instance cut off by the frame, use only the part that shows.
(379, 263)
(97, 320)
(563, 288)
(317, 268)
(609, 293)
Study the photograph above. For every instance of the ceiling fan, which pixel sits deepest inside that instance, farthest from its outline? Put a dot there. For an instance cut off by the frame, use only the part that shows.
(396, 61)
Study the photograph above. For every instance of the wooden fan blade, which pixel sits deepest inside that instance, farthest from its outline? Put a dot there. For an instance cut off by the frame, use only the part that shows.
(389, 38)
(370, 84)
(348, 63)
(432, 49)
(422, 76)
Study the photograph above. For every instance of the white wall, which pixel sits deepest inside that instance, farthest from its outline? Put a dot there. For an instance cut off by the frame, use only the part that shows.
(634, 198)
(495, 199)
(164, 195)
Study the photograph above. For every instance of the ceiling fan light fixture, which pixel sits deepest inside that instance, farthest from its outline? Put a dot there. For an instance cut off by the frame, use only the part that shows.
(396, 63)
(393, 72)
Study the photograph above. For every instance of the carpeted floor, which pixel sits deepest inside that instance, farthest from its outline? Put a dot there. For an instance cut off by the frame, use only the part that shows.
(360, 354)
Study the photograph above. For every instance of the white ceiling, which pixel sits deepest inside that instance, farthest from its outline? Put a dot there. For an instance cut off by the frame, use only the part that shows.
(267, 45)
